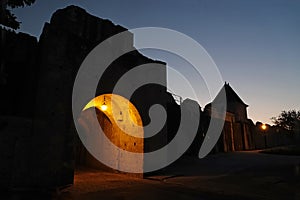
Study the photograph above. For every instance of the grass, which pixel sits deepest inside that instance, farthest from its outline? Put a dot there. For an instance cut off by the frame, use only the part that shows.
(293, 150)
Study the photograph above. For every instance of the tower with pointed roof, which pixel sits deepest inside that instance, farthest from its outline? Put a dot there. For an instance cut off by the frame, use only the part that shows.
(235, 135)
(235, 104)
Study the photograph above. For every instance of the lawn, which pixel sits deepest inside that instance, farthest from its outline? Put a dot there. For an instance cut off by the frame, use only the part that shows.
(293, 150)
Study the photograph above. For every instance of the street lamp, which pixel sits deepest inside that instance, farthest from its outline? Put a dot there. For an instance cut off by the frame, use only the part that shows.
(264, 128)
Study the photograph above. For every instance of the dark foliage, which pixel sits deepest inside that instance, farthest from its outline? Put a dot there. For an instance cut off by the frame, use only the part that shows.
(7, 18)
(289, 120)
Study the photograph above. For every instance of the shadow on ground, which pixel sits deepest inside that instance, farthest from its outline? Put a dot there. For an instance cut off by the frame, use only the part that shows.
(239, 175)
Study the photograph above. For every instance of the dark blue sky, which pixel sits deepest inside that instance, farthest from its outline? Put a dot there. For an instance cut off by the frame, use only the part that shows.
(255, 44)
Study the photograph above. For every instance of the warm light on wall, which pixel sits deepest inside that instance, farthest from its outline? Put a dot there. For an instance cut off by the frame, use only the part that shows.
(117, 108)
(125, 128)
(122, 125)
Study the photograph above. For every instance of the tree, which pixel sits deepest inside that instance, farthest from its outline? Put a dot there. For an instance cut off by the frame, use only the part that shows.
(7, 18)
(289, 120)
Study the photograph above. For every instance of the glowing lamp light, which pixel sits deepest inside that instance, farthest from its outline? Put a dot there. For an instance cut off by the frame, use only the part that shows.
(263, 127)
(103, 107)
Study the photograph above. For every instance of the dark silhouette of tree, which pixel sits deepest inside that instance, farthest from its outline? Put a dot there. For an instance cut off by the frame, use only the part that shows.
(289, 120)
(7, 18)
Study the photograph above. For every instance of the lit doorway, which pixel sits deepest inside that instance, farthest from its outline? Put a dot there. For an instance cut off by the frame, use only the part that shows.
(121, 123)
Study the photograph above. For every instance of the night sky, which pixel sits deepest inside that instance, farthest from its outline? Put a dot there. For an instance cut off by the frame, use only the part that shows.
(255, 44)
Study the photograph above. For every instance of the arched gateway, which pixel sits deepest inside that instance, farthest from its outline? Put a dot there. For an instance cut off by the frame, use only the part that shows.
(121, 123)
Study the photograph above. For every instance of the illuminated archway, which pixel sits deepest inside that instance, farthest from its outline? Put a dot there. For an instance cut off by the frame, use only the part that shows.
(119, 120)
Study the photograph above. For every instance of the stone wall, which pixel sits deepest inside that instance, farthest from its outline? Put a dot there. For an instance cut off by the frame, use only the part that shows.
(18, 73)
(37, 133)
